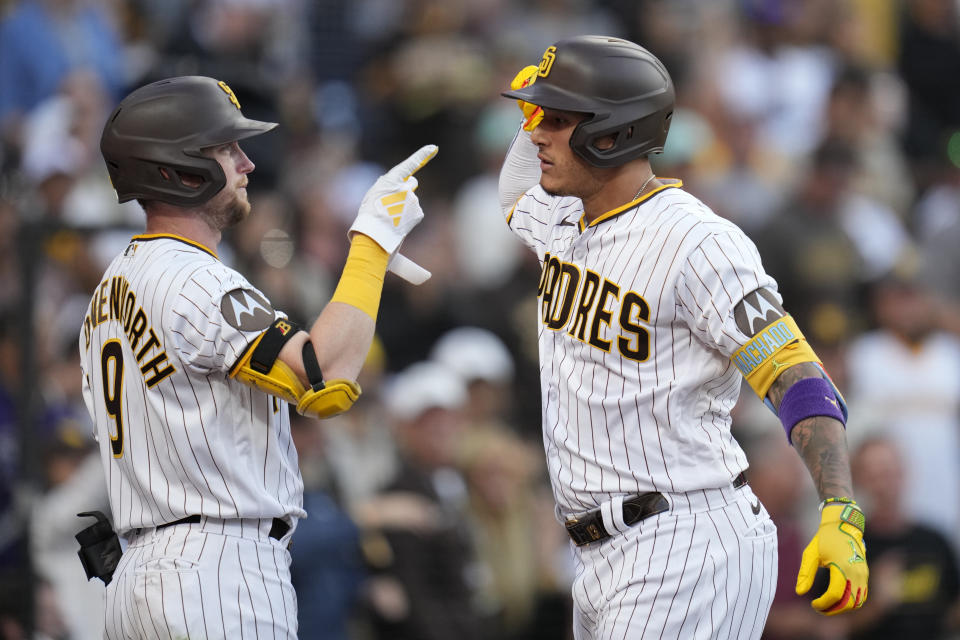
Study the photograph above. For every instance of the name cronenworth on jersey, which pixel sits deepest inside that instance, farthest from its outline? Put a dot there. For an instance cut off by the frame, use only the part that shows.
(117, 305)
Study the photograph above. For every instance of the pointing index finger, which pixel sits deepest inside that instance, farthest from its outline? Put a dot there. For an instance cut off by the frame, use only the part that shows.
(413, 164)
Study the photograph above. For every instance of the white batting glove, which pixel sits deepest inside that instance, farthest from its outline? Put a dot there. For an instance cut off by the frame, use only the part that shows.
(390, 209)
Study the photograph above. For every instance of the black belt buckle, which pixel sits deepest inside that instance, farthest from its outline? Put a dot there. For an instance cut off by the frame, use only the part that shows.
(586, 529)
(589, 527)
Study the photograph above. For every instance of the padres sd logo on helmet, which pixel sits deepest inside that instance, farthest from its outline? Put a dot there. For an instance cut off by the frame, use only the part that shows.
(226, 89)
(546, 63)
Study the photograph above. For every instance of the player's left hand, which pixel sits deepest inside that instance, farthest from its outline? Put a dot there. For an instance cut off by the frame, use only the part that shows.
(838, 546)
(532, 114)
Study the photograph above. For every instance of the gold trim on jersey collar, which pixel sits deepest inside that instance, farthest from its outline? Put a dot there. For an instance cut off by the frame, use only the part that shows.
(609, 214)
(173, 236)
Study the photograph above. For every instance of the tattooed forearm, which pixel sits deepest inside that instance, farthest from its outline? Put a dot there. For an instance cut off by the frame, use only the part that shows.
(820, 441)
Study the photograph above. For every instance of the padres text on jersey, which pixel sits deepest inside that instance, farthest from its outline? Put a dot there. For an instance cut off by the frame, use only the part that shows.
(637, 325)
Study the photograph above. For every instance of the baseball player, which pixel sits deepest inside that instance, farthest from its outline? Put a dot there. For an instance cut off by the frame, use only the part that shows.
(652, 311)
(187, 369)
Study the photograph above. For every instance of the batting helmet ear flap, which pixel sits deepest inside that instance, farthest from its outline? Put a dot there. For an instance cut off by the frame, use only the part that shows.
(627, 144)
(144, 178)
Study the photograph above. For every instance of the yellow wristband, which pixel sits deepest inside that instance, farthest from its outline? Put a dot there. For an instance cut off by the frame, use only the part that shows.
(361, 282)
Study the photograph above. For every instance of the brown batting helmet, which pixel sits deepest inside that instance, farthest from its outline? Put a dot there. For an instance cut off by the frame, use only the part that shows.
(625, 88)
(166, 125)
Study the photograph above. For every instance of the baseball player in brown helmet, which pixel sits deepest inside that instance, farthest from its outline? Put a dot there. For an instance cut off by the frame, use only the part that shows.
(187, 370)
(652, 311)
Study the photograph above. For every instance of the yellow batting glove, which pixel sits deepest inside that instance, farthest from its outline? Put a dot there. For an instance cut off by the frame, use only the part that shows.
(532, 114)
(837, 545)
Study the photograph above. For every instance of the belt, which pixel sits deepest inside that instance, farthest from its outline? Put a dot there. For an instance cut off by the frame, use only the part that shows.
(589, 527)
(278, 529)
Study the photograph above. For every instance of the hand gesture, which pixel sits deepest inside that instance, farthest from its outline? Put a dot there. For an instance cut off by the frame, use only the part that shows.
(390, 210)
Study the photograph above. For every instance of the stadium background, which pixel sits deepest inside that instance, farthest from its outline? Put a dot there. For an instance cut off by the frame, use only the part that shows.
(829, 130)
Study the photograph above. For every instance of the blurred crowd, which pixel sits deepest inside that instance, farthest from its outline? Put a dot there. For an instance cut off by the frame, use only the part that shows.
(829, 130)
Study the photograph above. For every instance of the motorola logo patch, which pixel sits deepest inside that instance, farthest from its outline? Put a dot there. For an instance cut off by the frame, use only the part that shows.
(757, 309)
(246, 310)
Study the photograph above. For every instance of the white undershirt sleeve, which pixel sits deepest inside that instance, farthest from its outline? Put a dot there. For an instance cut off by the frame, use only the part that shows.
(520, 171)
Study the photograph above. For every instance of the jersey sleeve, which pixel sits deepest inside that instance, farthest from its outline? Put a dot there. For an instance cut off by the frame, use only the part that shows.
(718, 276)
(215, 317)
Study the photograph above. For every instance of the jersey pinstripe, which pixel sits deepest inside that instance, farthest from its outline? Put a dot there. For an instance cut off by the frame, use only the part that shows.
(636, 329)
(177, 436)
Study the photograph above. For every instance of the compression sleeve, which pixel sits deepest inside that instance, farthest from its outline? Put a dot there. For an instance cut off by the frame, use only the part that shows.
(520, 171)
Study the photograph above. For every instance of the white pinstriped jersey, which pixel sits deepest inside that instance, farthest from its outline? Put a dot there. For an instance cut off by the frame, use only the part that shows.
(636, 330)
(177, 436)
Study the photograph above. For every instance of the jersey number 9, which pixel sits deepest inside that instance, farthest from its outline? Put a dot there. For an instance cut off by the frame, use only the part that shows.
(112, 352)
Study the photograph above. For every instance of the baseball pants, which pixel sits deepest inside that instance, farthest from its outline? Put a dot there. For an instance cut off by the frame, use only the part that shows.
(706, 568)
(215, 579)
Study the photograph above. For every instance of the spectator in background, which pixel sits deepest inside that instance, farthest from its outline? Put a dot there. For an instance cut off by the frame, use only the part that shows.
(905, 375)
(745, 181)
(42, 41)
(826, 243)
(255, 46)
(496, 277)
(862, 110)
(74, 483)
(361, 447)
(779, 479)
(488, 255)
(937, 216)
(483, 362)
(10, 293)
(778, 76)
(61, 155)
(929, 53)
(424, 586)
(327, 569)
(509, 506)
(422, 313)
(914, 577)
(13, 529)
(518, 538)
